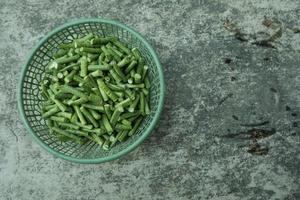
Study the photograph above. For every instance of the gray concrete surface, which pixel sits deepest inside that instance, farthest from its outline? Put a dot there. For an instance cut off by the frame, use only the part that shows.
(200, 149)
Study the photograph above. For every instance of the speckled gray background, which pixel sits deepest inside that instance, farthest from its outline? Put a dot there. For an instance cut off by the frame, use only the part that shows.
(190, 155)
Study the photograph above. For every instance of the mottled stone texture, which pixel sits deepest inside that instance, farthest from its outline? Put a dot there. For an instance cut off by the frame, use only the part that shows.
(200, 149)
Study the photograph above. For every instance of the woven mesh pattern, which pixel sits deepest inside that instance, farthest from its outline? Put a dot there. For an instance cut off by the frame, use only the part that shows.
(32, 98)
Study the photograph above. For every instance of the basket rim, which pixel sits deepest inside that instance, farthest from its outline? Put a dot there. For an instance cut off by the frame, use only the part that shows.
(144, 134)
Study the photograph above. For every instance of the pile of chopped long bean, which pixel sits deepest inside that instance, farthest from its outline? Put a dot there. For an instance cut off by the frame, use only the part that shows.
(95, 89)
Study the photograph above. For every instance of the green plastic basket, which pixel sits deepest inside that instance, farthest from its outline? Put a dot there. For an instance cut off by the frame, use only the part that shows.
(29, 97)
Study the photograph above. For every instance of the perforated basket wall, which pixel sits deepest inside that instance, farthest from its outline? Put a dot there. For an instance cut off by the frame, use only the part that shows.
(30, 97)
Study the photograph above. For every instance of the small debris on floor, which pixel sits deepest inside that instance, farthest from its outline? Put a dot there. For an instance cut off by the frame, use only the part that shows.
(235, 117)
(257, 149)
(227, 60)
(273, 90)
(254, 135)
